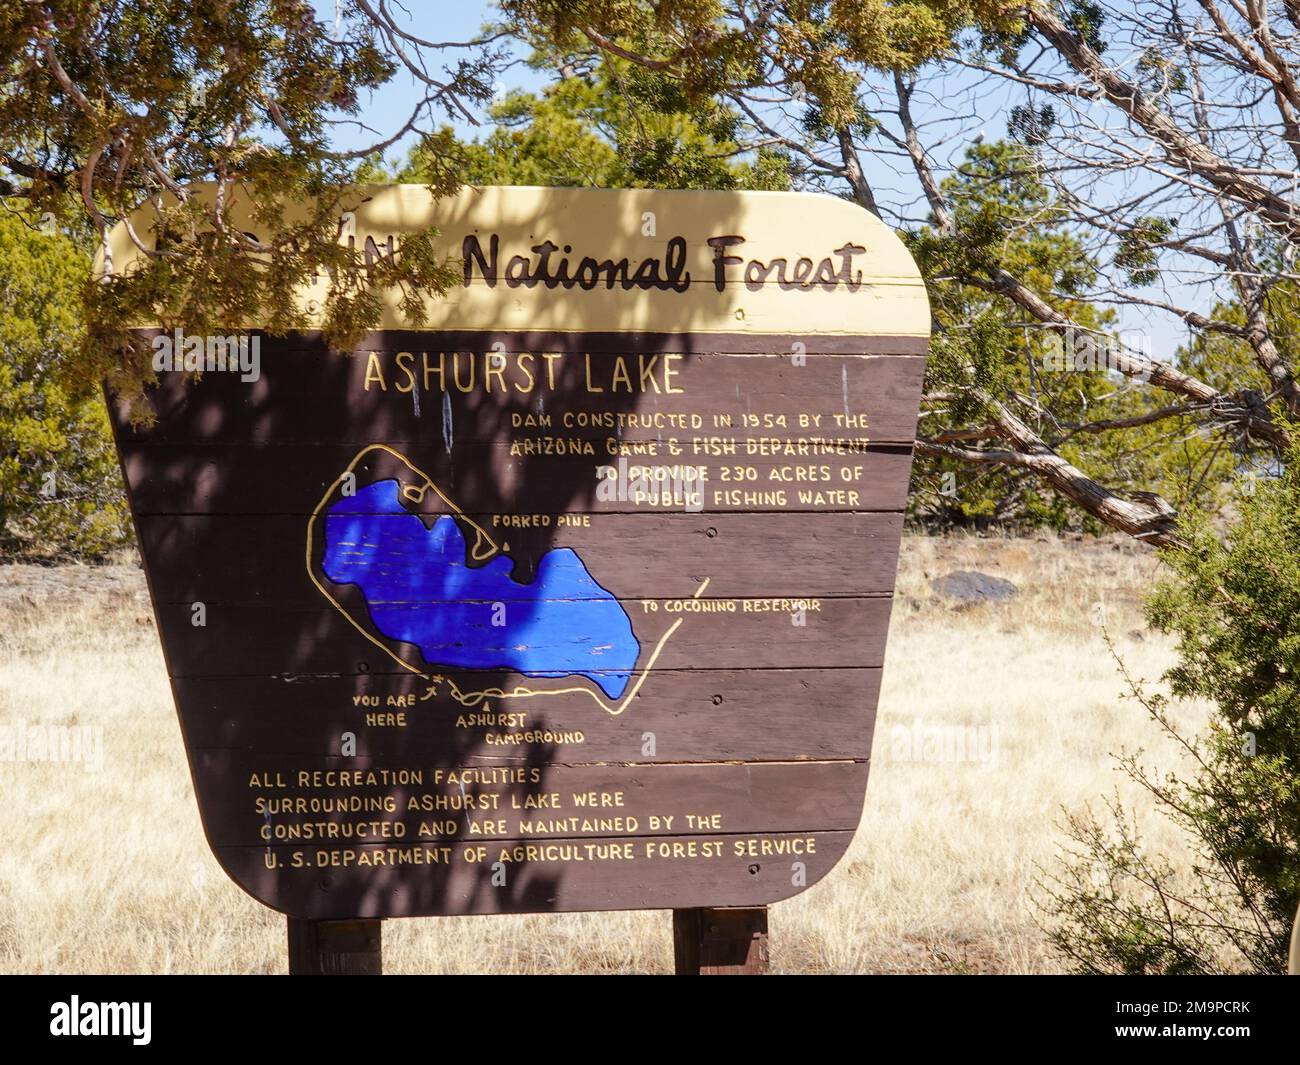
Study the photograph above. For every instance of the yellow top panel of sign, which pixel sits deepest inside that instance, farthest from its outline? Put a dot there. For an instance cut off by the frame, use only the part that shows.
(637, 260)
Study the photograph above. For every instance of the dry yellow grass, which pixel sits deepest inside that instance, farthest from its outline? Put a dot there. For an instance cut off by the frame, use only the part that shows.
(107, 870)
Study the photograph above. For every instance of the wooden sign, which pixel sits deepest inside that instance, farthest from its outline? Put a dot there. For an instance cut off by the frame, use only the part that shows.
(574, 599)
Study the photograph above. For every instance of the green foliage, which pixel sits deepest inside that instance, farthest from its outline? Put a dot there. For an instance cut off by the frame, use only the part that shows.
(1087, 19)
(1161, 74)
(111, 105)
(615, 127)
(690, 37)
(815, 48)
(188, 108)
(1004, 217)
(60, 490)
(1136, 255)
(1233, 603)
(1031, 126)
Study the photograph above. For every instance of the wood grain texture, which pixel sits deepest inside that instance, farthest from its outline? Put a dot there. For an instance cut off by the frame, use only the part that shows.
(220, 559)
(403, 399)
(370, 570)
(486, 478)
(729, 941)
(543, 801)
(556, 876)
(888, 296)
(335, 948)
(696, 715)
(241, 639)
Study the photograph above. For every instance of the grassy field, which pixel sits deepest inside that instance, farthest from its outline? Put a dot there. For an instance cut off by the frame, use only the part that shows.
(993, 719)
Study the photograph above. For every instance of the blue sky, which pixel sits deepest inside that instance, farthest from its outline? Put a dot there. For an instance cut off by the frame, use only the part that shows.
(963, 106)
(440, 20)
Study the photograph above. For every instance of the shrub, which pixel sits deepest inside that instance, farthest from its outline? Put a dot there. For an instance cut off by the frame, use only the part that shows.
(1233, 604)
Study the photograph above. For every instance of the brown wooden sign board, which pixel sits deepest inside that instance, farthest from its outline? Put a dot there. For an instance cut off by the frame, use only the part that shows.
(576, 598)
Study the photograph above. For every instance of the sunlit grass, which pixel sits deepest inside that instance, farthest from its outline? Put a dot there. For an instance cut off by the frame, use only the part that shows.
(108, 871)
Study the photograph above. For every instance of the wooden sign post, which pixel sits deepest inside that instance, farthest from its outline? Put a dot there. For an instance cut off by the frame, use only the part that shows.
(574, 599)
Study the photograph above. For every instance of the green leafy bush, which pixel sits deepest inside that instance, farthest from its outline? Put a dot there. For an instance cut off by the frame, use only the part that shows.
(1233, 604)
(60, 489)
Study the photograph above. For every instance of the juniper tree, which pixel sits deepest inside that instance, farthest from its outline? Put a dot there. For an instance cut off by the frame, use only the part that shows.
(111, 105)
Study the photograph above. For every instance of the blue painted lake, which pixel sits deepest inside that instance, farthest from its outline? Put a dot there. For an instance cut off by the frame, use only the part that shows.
(421, 590)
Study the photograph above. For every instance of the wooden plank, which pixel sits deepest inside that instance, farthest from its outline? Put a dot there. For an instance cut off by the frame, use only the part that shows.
(442, 389)
(488, 479)
(729, 941)
(326, 800)
(576, 599)
(231, 559)
(335, 948)
(545, 876)
(241, 639)
(684, 715)
(886, 294)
